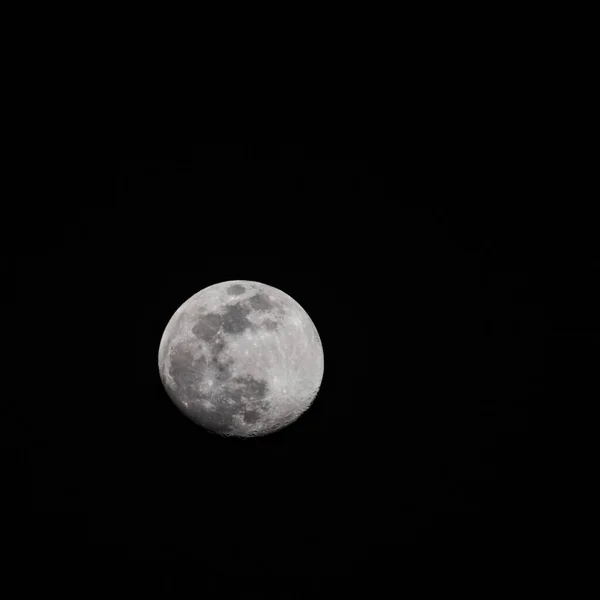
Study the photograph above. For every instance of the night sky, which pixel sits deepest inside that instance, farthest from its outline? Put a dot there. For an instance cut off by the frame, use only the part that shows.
(421, 279)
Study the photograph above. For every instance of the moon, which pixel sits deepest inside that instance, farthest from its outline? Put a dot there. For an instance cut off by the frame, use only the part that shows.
(241, 358)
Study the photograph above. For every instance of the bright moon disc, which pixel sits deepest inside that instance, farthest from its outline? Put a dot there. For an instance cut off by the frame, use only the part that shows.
(241, 358)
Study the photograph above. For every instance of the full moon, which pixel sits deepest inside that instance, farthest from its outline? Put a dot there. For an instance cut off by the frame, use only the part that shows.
(241, 358)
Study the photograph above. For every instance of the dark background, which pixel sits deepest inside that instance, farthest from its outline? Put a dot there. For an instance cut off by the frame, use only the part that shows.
(425, 285)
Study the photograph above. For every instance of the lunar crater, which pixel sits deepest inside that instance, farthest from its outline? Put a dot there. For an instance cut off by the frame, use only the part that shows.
(260, 302)
(270, 325)
(236, 289)
(235, 319)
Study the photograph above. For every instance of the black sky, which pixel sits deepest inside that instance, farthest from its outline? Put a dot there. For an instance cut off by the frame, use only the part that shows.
(429, 312)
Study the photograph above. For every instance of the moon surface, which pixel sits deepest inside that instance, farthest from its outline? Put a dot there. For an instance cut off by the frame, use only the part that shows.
(241, 358)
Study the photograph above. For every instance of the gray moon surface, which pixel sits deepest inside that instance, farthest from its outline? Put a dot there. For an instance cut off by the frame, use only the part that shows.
(241, 358)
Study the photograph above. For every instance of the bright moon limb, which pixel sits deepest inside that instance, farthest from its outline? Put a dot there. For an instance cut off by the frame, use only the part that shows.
(241, 358)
